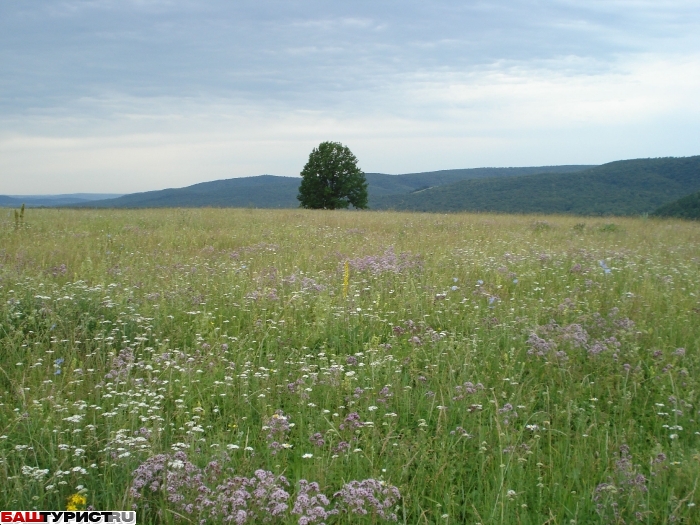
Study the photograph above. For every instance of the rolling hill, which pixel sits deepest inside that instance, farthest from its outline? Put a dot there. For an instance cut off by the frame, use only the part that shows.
(270, 191)
(33, 201)
(625, 187)
(263, 191)
(382, 184)
(687, 207)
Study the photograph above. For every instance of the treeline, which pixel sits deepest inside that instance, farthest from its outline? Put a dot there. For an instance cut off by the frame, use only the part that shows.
(619, 188)
(687, 207)
(628, 187)
(270, 191)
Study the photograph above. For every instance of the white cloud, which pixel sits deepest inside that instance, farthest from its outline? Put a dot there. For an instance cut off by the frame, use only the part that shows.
(110, 96)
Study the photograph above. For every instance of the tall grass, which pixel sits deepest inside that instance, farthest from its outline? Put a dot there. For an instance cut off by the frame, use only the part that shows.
(494, 369)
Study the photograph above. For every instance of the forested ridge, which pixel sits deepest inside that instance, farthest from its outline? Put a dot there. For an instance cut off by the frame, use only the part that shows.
(626, 187)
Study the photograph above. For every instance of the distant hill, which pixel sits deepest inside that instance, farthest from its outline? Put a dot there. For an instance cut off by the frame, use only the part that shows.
(625, 187)
(382, 184)
(270, 191)
(33, 201)
(263, 191)
(687, 207)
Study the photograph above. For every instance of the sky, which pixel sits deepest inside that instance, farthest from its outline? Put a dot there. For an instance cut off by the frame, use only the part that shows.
(123, 96)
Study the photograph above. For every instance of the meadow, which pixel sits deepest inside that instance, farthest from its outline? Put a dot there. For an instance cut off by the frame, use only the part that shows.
(290, 366)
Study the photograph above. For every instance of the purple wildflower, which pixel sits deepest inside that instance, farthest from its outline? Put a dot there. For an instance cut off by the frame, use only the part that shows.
(343, 446)
(368, 496)
(538, 346)
(351, 422)
(317, 439)
(277, 427)
(384, 394)
(121, 364)
(388, 262)
(311, 504)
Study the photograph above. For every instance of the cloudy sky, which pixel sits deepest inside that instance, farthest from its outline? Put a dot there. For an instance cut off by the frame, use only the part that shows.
(133, 95)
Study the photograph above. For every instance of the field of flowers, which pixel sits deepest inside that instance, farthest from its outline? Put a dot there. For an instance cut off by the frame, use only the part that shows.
(256, 366)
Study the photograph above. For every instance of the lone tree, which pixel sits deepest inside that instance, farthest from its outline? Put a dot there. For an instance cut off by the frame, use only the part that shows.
(331, 179)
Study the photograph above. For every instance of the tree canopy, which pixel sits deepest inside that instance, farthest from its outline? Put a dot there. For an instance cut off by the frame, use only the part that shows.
(331, 179)
(687, 207)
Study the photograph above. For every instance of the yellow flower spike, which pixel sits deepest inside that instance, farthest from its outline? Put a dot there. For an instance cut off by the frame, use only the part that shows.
(346, 279)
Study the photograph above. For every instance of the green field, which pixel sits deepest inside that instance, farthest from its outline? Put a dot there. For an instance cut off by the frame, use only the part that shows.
(214, 365)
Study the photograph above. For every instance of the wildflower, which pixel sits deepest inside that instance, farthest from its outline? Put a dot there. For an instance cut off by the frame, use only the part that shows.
(34, 472)
(466, 389)
(351, 422)
(317, 439)
(462, 432)
(262, 496)
(369, 495)
(384, 394)
(176, 464)
(278, 428)
(76, 502)
(389, 262)
(343, 446)
(346, 278)
(596, 349)
(121, 364)
(538, 346)
(311, 504)
(307, 456)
